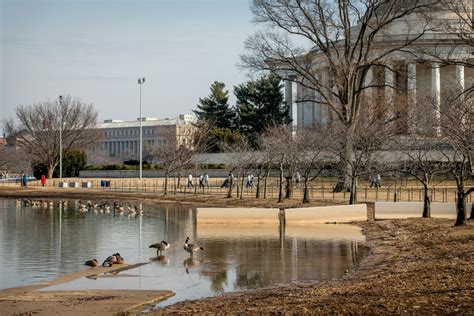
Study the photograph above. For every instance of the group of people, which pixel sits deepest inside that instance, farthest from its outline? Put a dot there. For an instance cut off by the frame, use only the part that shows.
(376, 181)
(203, 181)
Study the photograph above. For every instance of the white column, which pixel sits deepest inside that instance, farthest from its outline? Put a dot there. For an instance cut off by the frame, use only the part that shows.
(289, 96)
(299, 108)
(436, 94)
(368, 93)
(411, 96)
(460, 77)
(389, 85)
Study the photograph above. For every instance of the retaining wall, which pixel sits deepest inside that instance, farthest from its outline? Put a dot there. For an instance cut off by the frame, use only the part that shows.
(326, 214)
(391, 210)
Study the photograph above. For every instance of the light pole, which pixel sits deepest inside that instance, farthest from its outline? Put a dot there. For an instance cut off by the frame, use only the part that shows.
(61, 138)
(140, 82)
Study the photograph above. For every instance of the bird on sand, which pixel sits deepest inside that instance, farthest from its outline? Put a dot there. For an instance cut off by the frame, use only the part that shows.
(92, 263)
(160, 247)
(191, 248)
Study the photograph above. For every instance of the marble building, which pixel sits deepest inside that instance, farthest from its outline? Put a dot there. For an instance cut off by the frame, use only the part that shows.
(407, 78)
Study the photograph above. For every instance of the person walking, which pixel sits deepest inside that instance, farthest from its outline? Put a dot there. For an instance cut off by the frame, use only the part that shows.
(201, 181)
(298, 179)
(24, 180)
(43, 180)
(378, 180)
(206, 180)
(190, 181)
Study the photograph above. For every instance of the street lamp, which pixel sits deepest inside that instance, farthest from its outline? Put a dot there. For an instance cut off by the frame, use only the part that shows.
(61, 138)
(140, 82)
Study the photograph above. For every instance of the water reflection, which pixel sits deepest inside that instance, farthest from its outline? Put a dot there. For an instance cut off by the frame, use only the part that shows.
(41, 243)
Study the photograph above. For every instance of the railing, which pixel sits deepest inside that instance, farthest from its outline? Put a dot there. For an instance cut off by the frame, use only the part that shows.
(321, 190)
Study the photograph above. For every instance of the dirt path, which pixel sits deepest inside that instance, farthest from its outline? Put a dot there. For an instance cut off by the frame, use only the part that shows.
(416, 266)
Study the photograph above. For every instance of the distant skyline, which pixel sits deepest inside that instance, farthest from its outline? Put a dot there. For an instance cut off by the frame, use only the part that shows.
(97, 49)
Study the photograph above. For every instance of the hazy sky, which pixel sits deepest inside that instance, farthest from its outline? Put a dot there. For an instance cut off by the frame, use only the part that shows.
(97, 49)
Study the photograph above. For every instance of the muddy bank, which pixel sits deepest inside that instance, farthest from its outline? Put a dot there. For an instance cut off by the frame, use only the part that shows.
(416, 266)
(202, 200)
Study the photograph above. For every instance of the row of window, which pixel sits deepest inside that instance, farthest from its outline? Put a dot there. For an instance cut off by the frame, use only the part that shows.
(129, 132)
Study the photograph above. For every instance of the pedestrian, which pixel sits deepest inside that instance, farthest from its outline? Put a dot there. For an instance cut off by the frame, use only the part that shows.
(201, 181)
(249, 180)
(378, 180)
(206, 180)
(190, 181)
(373, 181)
(43, 180)
(24, 180)
(298, 179)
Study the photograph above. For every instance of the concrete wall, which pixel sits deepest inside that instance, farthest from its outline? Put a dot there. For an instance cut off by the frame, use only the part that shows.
(326, 214)
(238, 215)
(299, 216)
(388, 210)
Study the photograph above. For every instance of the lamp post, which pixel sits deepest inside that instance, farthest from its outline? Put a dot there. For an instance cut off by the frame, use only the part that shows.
(61, 138)
(140, 82)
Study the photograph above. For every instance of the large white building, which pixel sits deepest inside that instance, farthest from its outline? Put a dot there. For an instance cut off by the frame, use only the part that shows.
(120, 140)
(408, 76)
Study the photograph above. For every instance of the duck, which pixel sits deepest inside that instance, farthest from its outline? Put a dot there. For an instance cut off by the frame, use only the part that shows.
(160, 247)
(92, 263)
(109, 261)
(191, 248)
(119, 258)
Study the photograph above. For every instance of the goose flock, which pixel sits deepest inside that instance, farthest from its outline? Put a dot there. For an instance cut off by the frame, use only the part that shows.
(84, 207)
(161, 246)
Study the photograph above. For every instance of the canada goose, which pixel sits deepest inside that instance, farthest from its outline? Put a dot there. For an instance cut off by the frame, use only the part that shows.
(109, 261)
(82, 205)
(191, 248)
(92, 263)
(160, 247)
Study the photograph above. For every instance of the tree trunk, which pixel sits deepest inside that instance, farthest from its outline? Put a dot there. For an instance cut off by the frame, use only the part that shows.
(50, 171)
(353, 191)
(242, 186)
(426, 202)
(257, 193)
(231, 186)
(265, 184)
(306, 192)
(344, 180)
(460, 207)
(289, 187)
(165, 192)
(280, 185)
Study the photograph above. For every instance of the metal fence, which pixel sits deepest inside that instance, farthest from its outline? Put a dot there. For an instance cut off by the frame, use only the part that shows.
(321, 190)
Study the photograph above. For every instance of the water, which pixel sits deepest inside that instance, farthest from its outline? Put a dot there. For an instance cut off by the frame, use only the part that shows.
(40, 243)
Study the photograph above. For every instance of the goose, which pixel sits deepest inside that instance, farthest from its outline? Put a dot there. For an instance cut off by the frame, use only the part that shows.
(191, 248)
(82, 205)
(160, 247)
(92, 263)
(138, 209)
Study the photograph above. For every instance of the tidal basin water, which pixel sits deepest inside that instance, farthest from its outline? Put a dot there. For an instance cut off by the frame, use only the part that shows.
(41, 243)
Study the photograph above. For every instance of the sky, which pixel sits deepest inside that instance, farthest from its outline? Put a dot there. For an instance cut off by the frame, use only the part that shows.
(97, 49)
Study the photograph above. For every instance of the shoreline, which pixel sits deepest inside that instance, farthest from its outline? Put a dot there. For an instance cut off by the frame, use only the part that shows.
(414, 266)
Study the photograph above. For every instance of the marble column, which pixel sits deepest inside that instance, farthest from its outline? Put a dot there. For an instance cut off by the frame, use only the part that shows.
(289, 96)
(436, 94)
(368, 93)
(460, 77)
(389, 86)
(411, 97)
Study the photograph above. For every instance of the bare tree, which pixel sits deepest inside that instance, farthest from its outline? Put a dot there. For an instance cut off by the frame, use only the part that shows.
(38, 130)
(278, 141)
(457, 120)
(242, 159)
(336, 47)
(178, 148)
(313, 155)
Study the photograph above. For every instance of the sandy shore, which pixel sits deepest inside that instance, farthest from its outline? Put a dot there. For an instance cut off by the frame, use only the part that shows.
(29, 300)
(416, 266)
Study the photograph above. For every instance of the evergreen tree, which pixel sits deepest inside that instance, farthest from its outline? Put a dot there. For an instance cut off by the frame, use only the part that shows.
(215, 107)
(260, 104)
